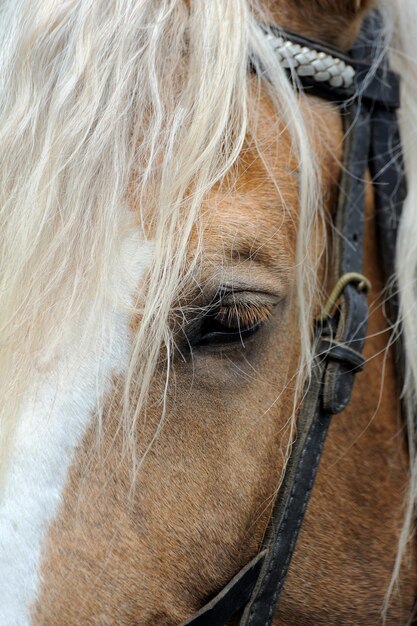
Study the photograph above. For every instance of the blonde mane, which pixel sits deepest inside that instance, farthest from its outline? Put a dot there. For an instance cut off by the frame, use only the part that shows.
(102, 104)
(399, 16)
(146, 104)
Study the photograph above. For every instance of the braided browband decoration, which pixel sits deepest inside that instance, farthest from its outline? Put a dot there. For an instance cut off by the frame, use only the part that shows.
(319, 66)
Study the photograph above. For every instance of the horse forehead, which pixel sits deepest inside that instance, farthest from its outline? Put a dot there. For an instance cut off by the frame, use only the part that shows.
(254, 213)
(254, 216)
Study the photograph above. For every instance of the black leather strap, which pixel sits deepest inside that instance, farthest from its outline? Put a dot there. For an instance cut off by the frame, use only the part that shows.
(350, 323)
(387, 171)
(291, 504)
(334, 350)
(231, 598)
(339, 340)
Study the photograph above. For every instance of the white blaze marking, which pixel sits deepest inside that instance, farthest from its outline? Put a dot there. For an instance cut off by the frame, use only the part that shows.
(52, 424)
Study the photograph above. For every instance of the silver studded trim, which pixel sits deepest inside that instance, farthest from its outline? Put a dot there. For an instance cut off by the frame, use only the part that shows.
(305, 61)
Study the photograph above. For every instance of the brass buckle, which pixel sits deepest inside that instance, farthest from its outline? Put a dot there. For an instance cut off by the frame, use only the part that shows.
(361, 282)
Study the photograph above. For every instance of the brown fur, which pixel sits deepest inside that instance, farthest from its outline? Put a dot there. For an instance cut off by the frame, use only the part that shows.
(203, 497)
(332, 21)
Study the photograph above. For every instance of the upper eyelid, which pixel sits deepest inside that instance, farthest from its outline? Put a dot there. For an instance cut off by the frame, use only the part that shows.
(255, 298)
(234, 302)
(191, 313)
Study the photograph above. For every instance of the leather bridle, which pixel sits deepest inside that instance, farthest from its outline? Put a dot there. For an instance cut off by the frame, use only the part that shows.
(367, 99)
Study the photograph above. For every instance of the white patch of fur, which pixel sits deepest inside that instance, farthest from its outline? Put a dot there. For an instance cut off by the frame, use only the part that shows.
(52, 424)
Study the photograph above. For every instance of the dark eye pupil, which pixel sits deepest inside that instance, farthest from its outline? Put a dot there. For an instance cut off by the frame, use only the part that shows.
(213, 331)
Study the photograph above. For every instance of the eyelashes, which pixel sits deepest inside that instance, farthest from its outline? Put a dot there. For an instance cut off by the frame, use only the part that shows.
(240, 315)
(232, 318)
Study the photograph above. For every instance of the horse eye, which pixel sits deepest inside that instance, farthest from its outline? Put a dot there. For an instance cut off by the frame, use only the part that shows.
(214, 331)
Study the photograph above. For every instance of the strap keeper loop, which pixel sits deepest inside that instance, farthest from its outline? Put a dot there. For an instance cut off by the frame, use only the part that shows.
(342, 352)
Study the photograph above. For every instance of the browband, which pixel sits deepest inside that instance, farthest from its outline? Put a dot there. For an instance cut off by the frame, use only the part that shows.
(368, 94)
(328, 72)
